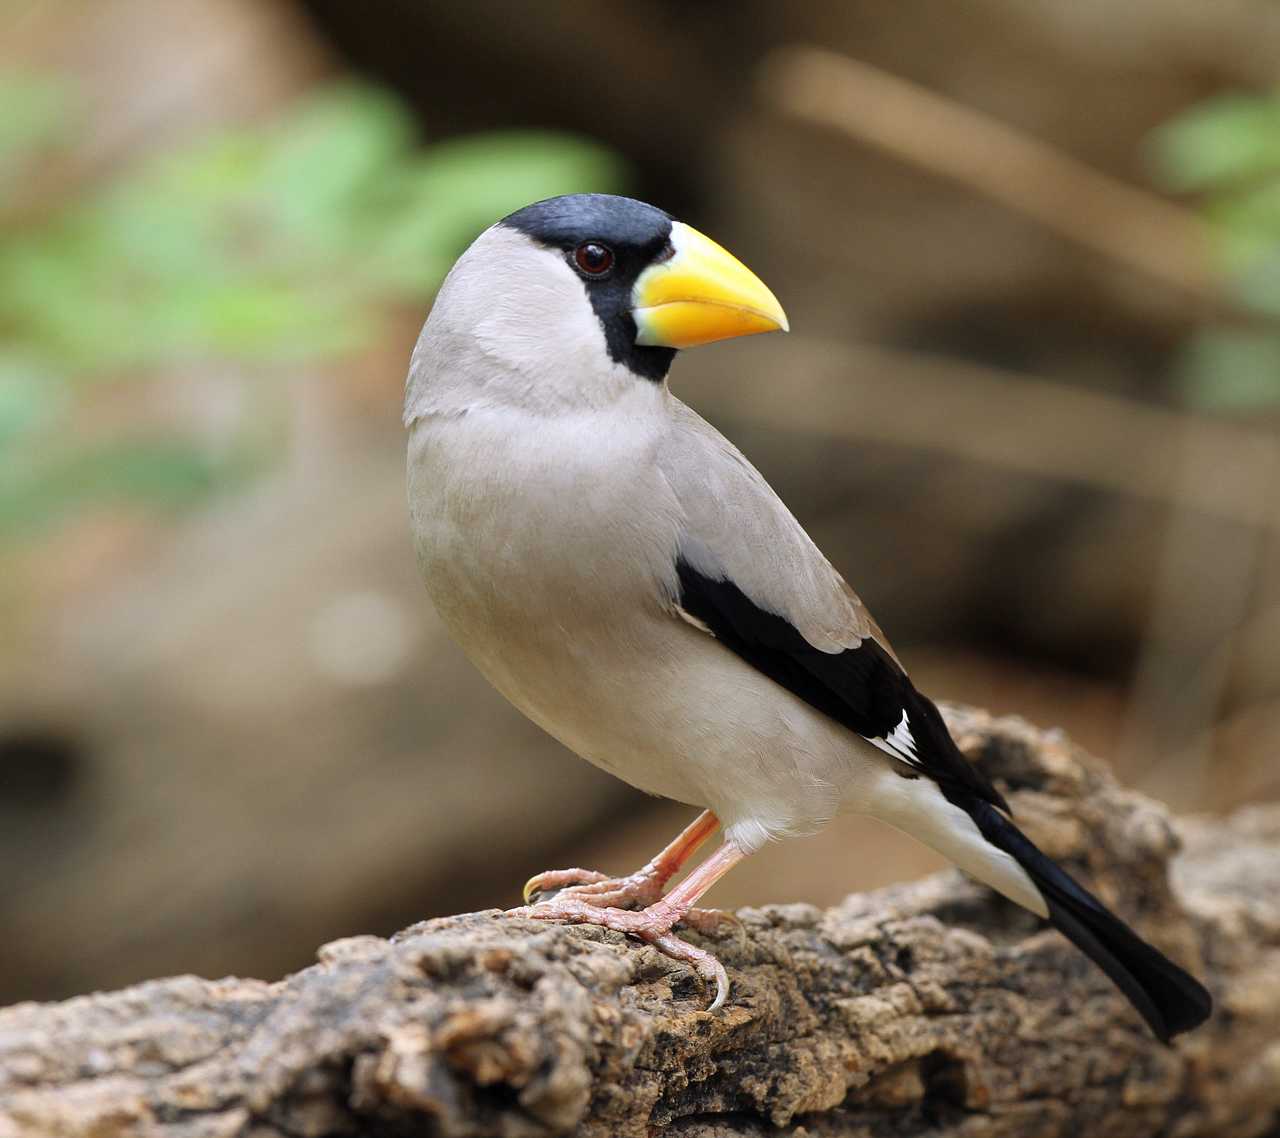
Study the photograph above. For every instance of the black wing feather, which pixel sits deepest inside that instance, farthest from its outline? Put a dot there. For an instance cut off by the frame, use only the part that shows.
(866, 690)
(1168, 997)
(863, 688)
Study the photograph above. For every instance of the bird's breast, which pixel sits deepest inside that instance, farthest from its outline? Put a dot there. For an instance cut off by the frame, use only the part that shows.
(551, 558)
(542, 545)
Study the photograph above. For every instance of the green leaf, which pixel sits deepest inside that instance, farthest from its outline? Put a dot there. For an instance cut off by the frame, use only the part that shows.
(35, 111)
(275, 243)
(30, 399)
(1227, 139)
(160, 473)
(1247, 221)
(322, 158)
(438, 203)
(1232, 371)
(270, 244)
(1258, 284)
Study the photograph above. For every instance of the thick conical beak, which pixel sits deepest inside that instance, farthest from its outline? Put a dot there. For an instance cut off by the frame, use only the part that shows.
(701, 294)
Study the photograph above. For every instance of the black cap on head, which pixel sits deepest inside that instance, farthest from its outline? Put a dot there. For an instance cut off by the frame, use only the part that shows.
(567, 221)
(633, 235)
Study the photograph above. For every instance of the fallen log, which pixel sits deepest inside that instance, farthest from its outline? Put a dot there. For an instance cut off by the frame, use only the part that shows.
(933, 1008)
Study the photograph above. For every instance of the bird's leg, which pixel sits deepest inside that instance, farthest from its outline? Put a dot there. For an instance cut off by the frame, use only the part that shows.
(653, 924)
(635, 890)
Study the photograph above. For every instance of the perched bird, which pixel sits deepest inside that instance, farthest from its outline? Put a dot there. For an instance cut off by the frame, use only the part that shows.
(623, 575)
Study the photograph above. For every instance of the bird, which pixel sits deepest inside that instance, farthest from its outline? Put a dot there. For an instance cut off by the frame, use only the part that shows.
(622, 574)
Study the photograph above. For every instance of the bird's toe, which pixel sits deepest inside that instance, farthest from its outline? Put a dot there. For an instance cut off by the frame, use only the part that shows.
(714, 922)
(703, 963)
(635, 891)
(555, 880)
(652, 925)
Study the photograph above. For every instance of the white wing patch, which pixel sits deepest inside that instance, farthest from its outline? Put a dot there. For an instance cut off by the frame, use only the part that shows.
(902, 738)
(688, 617)
(899, 743)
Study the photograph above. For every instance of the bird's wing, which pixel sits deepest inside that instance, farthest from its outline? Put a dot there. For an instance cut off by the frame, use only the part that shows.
(750, 576)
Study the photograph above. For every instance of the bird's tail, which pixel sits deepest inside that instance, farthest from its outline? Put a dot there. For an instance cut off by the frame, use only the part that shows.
(1168, 998)
(976, 836)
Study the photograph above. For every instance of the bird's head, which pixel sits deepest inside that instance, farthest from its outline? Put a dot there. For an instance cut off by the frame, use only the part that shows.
(570, 300)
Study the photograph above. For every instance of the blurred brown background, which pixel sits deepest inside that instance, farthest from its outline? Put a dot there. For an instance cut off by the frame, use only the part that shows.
(1030, 253)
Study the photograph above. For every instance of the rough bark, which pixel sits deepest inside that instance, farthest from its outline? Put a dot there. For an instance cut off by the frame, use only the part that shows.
(926, 1009)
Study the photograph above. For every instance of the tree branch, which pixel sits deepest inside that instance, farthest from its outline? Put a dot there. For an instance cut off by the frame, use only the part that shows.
(931, 131)
(932, 1008)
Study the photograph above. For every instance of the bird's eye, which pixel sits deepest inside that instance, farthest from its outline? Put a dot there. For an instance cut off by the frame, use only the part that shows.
(593, 258)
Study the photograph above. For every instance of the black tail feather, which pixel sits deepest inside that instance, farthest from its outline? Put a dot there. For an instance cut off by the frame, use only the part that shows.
(1168, 998)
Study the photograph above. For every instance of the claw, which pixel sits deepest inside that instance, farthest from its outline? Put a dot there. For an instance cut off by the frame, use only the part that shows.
(705, 966)
(632, 892)
(554, 879)
(722, 988)
(652, 925)
(635, 905)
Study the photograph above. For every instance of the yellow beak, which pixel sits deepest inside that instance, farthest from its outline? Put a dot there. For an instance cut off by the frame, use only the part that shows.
(701, 294)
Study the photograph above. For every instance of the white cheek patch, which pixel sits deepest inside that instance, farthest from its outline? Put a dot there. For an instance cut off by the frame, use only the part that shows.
(527, 314)
(513, 326)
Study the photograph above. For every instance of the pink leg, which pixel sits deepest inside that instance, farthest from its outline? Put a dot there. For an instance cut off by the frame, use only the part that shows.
(691, 889)
(654, 923)
(640, 888)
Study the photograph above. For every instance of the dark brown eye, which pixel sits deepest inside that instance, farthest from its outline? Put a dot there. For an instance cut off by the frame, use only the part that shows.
(593, 258)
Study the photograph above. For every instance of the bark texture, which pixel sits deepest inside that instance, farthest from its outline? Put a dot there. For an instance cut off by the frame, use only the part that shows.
(928, 1009)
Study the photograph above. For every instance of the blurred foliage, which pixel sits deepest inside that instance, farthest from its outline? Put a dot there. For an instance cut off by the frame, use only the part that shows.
(35, 110)
(251, 250)
(1227, 150)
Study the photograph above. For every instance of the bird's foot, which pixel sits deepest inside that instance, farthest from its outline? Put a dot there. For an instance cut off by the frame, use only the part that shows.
(713, 922)
(652, 925)
(635, 891)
